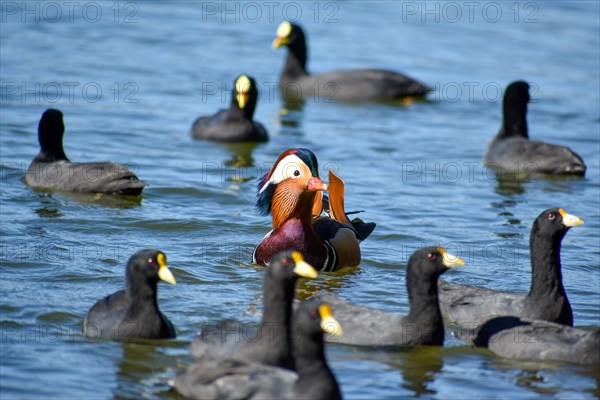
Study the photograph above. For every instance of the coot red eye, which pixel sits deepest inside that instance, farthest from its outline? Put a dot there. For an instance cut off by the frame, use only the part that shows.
(431, 256)
(312, 313)
(551, 216)
(285, 261)
(150, 261)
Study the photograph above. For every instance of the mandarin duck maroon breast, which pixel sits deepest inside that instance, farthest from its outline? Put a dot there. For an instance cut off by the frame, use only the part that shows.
(292, 192)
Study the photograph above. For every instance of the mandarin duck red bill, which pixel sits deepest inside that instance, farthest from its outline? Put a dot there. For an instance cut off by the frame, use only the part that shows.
(292, 193)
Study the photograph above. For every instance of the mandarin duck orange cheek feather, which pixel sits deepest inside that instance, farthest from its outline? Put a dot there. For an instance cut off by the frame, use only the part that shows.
(292, 193)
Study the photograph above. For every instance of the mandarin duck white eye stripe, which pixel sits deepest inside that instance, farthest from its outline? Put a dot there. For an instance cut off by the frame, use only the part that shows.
(290, 167)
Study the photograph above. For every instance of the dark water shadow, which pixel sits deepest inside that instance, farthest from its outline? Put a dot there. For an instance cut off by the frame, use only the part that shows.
(532, 375)
(330, 281)
(511, 184)
(241, 154)
(418, 366)
(292, 104)
(242, 164)
(52, 208)
(326, 282)
(291, 114)
(511, 188)
(291, 122)
(146, 363)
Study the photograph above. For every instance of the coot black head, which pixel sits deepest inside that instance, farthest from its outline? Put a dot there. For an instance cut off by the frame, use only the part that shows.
(289, 265)
(426, 265)
(147, 267)
(50, 135)
(514, 108)
(314, 318)
(553, 224)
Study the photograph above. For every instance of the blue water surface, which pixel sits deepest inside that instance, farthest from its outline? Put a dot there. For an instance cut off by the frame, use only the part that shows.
(131, 77)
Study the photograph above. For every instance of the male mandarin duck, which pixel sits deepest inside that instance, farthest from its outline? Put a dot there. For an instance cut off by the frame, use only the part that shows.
(292, 192)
